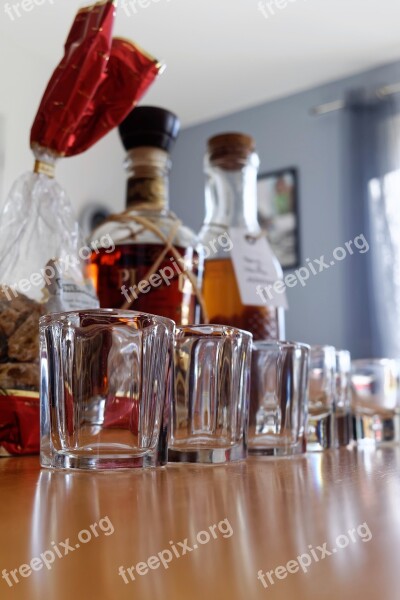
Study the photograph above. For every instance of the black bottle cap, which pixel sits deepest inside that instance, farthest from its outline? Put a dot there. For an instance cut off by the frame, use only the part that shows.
(149, 126)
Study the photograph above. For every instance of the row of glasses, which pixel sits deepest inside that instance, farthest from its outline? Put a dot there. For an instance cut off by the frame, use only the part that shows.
(350, 401)
(107, 379)
(124, 389)
(300, 399)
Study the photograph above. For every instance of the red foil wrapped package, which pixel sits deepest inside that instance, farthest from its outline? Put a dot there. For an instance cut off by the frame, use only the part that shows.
(42, 266)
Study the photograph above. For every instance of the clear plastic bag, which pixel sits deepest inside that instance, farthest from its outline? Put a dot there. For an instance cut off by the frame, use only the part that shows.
(41, 255)
(41, 271)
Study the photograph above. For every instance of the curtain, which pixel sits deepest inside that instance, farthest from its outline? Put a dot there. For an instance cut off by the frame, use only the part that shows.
(375, 158)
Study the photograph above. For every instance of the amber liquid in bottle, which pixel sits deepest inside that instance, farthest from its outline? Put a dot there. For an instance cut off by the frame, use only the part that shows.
(129, 264)
(227, 308)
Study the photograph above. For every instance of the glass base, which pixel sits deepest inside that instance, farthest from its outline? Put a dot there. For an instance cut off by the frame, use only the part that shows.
(257, 449)
(208, 456)
(376, 429)
(320, 434)
(276, 452)
(99, 463)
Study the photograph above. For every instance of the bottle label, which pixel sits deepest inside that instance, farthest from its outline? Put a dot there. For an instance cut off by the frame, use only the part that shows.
(122, 280)
(65, 294)
(255, 270)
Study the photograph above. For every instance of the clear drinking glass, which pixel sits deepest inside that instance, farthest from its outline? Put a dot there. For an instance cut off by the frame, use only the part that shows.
(278, 398)
(375, 400)
(321, 399)
(105, 384)
(343, 427)
(211, 394)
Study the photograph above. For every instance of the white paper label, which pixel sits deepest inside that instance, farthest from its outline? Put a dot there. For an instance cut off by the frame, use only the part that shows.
(66, 289)
(70, 296)
(258, 278)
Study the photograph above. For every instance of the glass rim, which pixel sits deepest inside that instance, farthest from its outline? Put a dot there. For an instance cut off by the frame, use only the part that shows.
(265, 344)
(364, 362)
(215, 331)
(322, 347)
(61, 317)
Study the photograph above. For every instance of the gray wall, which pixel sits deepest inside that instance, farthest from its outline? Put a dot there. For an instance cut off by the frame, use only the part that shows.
(333, 307)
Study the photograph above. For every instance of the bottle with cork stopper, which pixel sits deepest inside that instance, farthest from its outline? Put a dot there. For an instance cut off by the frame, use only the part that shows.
(231, 168)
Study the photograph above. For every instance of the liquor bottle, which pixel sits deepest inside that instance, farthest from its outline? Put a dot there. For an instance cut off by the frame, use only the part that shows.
(231, 167)
(155, 266)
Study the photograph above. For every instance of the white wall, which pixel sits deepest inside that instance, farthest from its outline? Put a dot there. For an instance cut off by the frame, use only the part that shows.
(97, 175)
(22, 78)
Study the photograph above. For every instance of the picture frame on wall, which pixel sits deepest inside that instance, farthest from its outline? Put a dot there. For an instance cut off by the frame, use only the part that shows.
(278, 197)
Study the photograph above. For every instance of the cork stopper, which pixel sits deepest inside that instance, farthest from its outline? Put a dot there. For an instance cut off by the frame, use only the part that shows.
(230, 150)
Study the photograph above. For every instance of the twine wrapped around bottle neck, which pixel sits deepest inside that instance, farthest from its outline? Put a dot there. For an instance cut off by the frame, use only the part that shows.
(44, 168)
(127, 217)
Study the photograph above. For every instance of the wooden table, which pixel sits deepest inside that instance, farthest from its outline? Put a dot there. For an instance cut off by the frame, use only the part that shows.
(265, 513)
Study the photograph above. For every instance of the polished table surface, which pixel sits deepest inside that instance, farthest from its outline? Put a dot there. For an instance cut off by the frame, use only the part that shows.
(266, 513)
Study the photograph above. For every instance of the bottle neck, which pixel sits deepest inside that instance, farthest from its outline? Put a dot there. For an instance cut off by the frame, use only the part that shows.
(148, 179)
(231, 193)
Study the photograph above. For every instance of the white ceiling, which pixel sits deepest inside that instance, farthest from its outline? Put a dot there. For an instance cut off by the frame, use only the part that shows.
(224, 55)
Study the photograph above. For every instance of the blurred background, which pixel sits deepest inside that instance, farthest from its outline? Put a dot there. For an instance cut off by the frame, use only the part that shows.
(318, 86)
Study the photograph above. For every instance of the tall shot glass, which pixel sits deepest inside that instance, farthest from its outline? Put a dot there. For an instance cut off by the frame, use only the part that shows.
(105, 383)
(343, 420)
(278, 399)
(211, 394)
(321, 399)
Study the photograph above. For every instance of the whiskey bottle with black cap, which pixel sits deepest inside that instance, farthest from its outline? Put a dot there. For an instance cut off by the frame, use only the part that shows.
(156, 265)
